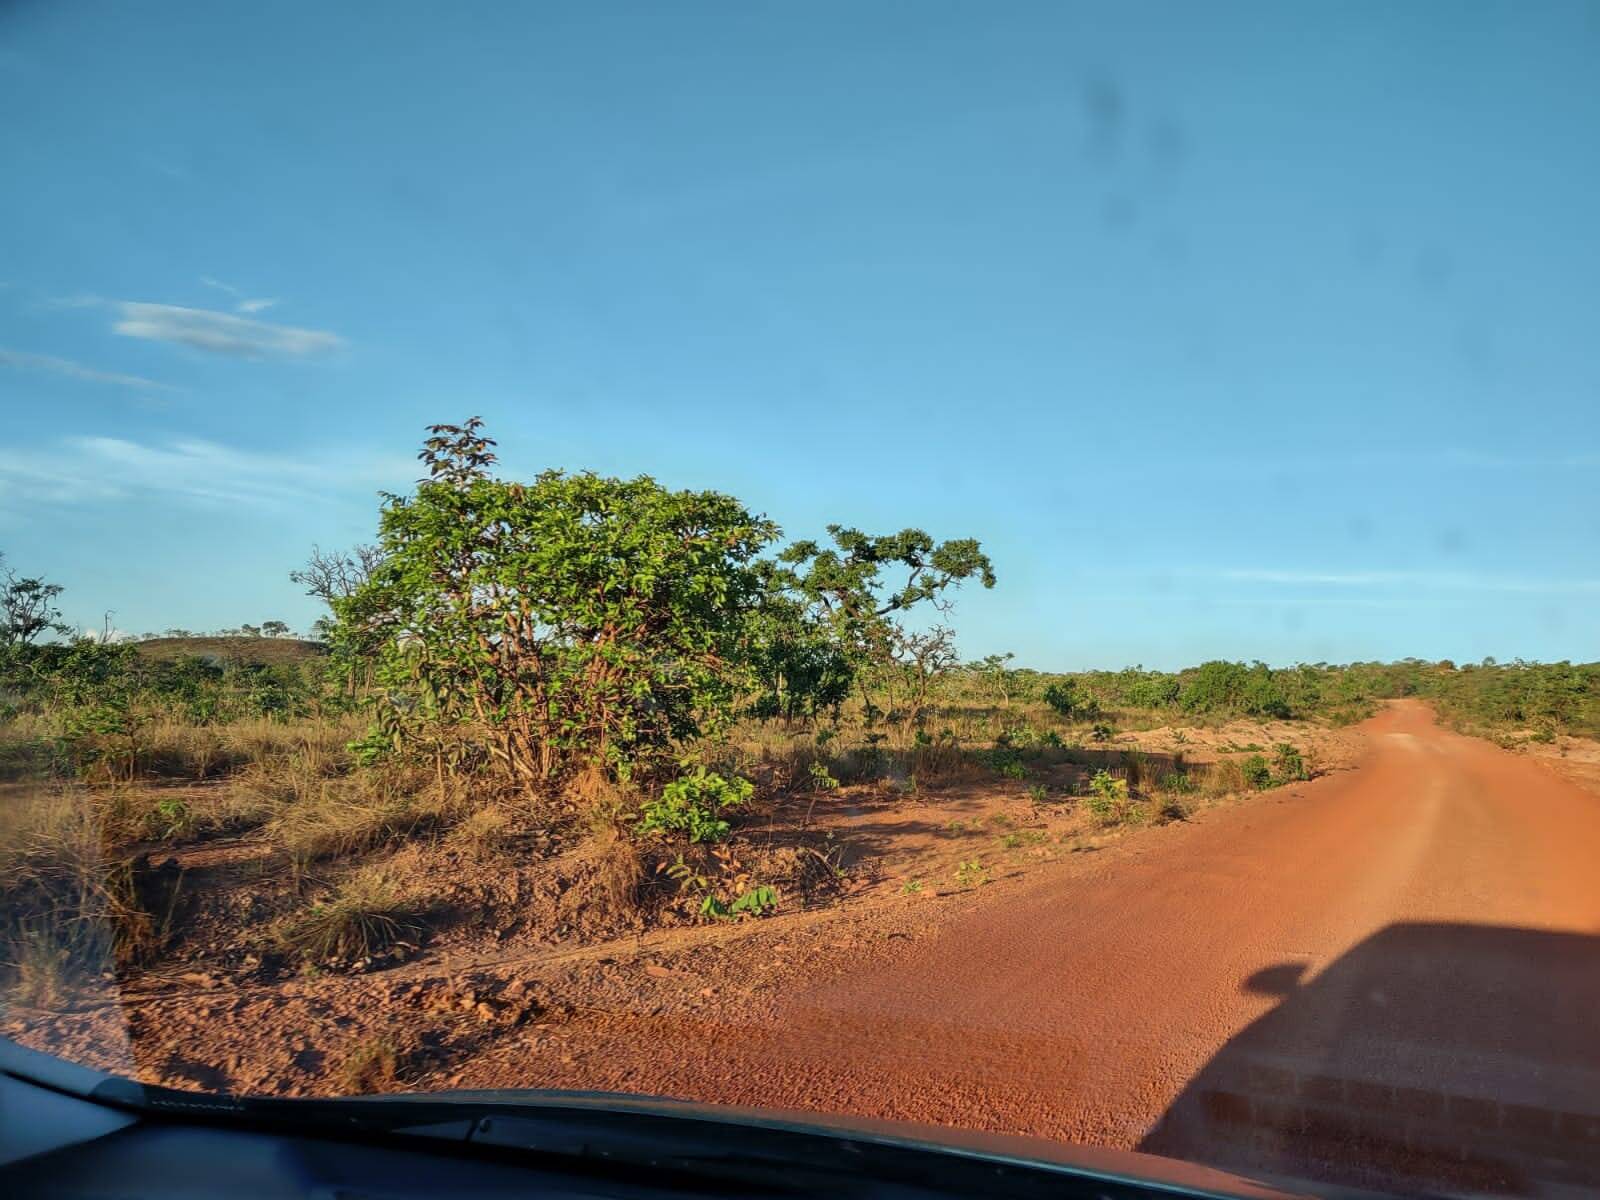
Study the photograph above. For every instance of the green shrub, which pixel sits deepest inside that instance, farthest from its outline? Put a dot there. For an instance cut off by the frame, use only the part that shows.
(1153, 691)
(371, 748)
(1065, 697)
(1231, 687)
(693, 805)
(1257, 774)
(822, 779)
(1004, 760)
(172, 819)
(757, 902)
(1107, 801)
(1288, 764)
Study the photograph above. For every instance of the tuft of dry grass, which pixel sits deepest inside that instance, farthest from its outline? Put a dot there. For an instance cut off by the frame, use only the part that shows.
(371, 1065)
(1221, 778)
(41, 967)
(69, 909)
(365, 915)
(485, 832)
(619, 872)
(155, 744)
(136, 812)
(1136, 770)
(332, 818)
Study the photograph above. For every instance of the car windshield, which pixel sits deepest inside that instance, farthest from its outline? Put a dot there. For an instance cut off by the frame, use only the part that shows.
(1017, 569)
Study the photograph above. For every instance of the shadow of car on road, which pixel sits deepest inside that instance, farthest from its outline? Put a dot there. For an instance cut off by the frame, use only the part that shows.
(1437, 1057)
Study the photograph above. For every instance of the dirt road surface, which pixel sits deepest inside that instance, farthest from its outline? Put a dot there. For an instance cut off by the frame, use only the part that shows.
(1393, 967)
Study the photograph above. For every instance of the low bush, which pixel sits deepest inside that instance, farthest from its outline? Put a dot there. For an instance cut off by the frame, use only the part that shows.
(694, 805)
(1066, 698)
(1004, 760)
(1288, 765)
(1257, 774)
(820, 778)
(1108, 799)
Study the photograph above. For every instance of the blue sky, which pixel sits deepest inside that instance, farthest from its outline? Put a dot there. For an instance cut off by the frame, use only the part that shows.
(1247, 330)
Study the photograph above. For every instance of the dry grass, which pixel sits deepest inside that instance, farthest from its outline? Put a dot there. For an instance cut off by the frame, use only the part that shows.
(176, 750)
(69, 909)
(619, 874)
(1136, 770)
(1221, 778)
(132, 813)
(322, 818)
(365, 915)
(487, 831)
(41, 967)
(784, 760)
(27, 747)
(371, 1065)
(157, 745)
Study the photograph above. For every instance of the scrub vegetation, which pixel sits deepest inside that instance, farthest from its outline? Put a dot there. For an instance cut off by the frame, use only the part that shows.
(594, 705)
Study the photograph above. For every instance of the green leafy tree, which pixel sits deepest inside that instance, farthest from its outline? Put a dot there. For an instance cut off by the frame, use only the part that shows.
(995, 671)
(575, 620)
(851, 595)
(1234, 687)
(28, 609)
(800, 667)
(1067, 698)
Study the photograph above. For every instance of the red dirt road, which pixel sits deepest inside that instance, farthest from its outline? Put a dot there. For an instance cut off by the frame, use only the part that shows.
(1439, 906)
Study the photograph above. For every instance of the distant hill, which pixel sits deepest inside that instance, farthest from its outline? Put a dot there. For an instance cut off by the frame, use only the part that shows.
(247, 649)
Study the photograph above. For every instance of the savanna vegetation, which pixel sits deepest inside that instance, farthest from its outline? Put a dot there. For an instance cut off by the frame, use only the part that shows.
(592, 704)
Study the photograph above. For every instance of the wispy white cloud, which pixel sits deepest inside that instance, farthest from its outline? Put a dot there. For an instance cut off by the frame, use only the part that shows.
(91, 470)
(221, 333)
(22, 361)
(76, 300)
(1463, 581)
(242, 302)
